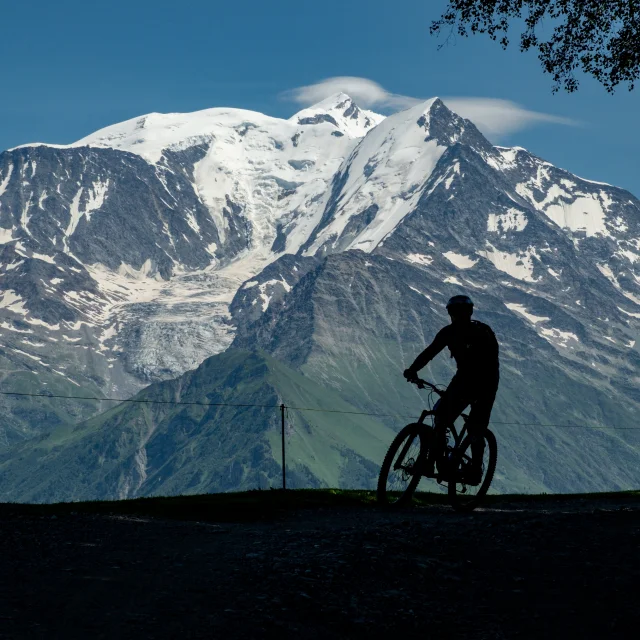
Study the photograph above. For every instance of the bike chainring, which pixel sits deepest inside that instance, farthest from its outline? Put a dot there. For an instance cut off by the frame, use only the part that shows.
(407, 469)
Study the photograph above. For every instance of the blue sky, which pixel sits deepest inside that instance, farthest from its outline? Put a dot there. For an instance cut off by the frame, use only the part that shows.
(71, 67)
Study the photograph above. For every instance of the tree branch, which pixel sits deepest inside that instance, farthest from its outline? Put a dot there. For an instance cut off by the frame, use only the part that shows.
(600, 38)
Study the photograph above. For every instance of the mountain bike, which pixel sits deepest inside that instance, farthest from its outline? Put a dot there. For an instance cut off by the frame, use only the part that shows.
(406, 460)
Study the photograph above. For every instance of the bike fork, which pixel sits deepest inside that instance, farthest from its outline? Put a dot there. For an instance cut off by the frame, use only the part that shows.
(405, 449)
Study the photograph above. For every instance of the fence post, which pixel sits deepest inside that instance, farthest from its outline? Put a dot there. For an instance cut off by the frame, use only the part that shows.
(284, 472)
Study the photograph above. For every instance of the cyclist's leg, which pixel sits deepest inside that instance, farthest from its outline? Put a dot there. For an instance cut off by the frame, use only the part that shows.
(454, 401)
(479, 417)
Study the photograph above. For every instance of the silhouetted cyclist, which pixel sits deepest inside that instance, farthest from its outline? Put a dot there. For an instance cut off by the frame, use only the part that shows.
(475, 349)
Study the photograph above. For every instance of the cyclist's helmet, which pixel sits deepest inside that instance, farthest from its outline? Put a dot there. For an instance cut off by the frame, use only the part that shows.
(460, 302)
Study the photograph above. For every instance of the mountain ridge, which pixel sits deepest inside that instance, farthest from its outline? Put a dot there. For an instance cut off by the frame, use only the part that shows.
(334, 254)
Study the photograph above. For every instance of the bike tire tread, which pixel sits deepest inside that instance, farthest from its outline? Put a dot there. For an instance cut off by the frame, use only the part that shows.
(381, 493)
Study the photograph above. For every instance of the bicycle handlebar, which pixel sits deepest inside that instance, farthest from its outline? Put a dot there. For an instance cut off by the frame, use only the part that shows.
(421, 384)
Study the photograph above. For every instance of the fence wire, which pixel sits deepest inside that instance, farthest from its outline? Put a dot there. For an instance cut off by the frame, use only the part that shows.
(309, 409)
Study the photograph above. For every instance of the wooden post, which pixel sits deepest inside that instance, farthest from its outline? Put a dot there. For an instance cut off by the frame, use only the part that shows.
(284, 472)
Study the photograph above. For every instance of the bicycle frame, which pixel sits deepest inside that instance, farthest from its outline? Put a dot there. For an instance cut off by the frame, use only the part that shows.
(457, 437)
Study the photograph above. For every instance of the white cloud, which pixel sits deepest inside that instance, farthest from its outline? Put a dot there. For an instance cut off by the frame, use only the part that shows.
(366, 93)
(497, 118)
(494, 117)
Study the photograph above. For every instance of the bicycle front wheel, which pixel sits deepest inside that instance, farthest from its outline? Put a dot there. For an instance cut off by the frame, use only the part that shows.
(466, 493)
(399, 475)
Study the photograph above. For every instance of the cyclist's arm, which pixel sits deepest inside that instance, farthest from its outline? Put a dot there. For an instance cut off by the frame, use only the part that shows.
(438, 344)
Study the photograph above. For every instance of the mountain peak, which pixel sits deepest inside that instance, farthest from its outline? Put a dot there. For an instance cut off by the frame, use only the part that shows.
(338, 100)
(341, 111)
(445, 126)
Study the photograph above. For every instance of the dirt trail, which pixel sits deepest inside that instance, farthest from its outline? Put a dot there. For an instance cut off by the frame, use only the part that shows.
(553, 569)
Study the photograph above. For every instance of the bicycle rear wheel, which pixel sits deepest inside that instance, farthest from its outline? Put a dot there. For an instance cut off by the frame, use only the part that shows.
(398, 476)
(464, 496)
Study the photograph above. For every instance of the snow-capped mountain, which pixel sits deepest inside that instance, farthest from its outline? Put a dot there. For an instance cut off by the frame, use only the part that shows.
(122, 252)
(343, 113)
(124, 255)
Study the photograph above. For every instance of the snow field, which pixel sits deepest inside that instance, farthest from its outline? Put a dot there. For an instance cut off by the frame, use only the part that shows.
(387, 168)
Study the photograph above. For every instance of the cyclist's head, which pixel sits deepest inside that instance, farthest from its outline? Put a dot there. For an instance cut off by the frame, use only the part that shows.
(460, 308)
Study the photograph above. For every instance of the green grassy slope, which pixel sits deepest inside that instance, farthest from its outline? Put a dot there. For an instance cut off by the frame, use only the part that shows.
(23, 417)
(151, 449)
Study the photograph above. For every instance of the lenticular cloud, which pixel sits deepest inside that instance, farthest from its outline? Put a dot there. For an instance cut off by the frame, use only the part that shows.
(365, 92)
(494, 117)
(497, 118)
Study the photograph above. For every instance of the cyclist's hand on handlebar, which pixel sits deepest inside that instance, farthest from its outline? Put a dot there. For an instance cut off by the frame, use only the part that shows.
(410, 375)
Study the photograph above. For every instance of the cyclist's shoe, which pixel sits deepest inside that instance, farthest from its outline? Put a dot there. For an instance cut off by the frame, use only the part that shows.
(428, 470)
(443, 471)
(472, 475)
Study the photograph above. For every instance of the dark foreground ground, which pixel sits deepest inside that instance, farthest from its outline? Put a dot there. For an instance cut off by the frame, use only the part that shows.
(321, 565)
